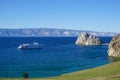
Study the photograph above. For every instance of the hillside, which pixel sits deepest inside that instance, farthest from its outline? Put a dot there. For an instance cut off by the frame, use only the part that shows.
(49, 32)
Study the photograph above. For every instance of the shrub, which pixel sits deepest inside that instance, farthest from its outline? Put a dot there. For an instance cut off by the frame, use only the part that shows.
(25, 75)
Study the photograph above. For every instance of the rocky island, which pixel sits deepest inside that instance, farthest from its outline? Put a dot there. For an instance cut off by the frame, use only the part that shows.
(114, 46)
(86, 39)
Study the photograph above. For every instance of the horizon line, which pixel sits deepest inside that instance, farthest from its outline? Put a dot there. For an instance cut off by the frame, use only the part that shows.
(58, 29)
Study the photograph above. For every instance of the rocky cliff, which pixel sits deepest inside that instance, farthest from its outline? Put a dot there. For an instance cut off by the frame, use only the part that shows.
(114, 46)
(86, 39)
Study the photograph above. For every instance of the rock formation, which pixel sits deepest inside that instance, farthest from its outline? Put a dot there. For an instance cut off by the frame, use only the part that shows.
(86, 39)
(114, 46)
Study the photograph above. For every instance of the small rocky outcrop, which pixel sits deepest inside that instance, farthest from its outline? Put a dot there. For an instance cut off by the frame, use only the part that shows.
(86, 39)
(114, 46)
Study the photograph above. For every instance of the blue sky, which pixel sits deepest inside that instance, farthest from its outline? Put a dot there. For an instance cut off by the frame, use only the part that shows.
(94, 15)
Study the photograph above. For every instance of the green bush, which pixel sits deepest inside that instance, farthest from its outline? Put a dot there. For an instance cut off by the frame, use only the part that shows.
(118, 58)
(25, 75)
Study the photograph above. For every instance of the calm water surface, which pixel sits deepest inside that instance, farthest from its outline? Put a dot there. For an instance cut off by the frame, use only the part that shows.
(59, 55)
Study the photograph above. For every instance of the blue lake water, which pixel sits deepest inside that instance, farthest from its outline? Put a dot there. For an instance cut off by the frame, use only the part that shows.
(59, 55)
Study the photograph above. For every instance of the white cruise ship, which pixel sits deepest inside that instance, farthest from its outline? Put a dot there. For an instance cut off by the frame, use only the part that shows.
(35, 45)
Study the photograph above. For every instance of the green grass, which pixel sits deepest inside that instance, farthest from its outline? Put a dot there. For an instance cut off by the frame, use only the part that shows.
(107, 72)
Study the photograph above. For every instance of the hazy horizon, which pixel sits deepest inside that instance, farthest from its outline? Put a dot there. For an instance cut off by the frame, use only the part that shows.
(59, 29)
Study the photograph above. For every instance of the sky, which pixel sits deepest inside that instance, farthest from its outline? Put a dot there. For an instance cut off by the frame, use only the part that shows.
(93, 15)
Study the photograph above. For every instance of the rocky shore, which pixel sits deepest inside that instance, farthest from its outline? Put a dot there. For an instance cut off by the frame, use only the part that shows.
(114, 46)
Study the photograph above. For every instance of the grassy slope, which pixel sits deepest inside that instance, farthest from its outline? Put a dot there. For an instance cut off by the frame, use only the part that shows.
(103, 71)
(107, 72)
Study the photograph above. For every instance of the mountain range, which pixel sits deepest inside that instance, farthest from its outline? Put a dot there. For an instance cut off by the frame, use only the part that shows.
(50, 32)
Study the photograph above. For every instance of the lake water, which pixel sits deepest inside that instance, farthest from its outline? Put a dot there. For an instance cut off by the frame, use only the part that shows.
(59, 55)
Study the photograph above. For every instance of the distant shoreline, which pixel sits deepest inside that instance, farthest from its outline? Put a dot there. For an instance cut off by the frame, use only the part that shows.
(50, 32)
(51, 36)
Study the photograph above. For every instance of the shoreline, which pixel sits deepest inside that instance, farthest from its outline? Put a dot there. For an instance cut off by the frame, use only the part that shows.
(109, 71)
